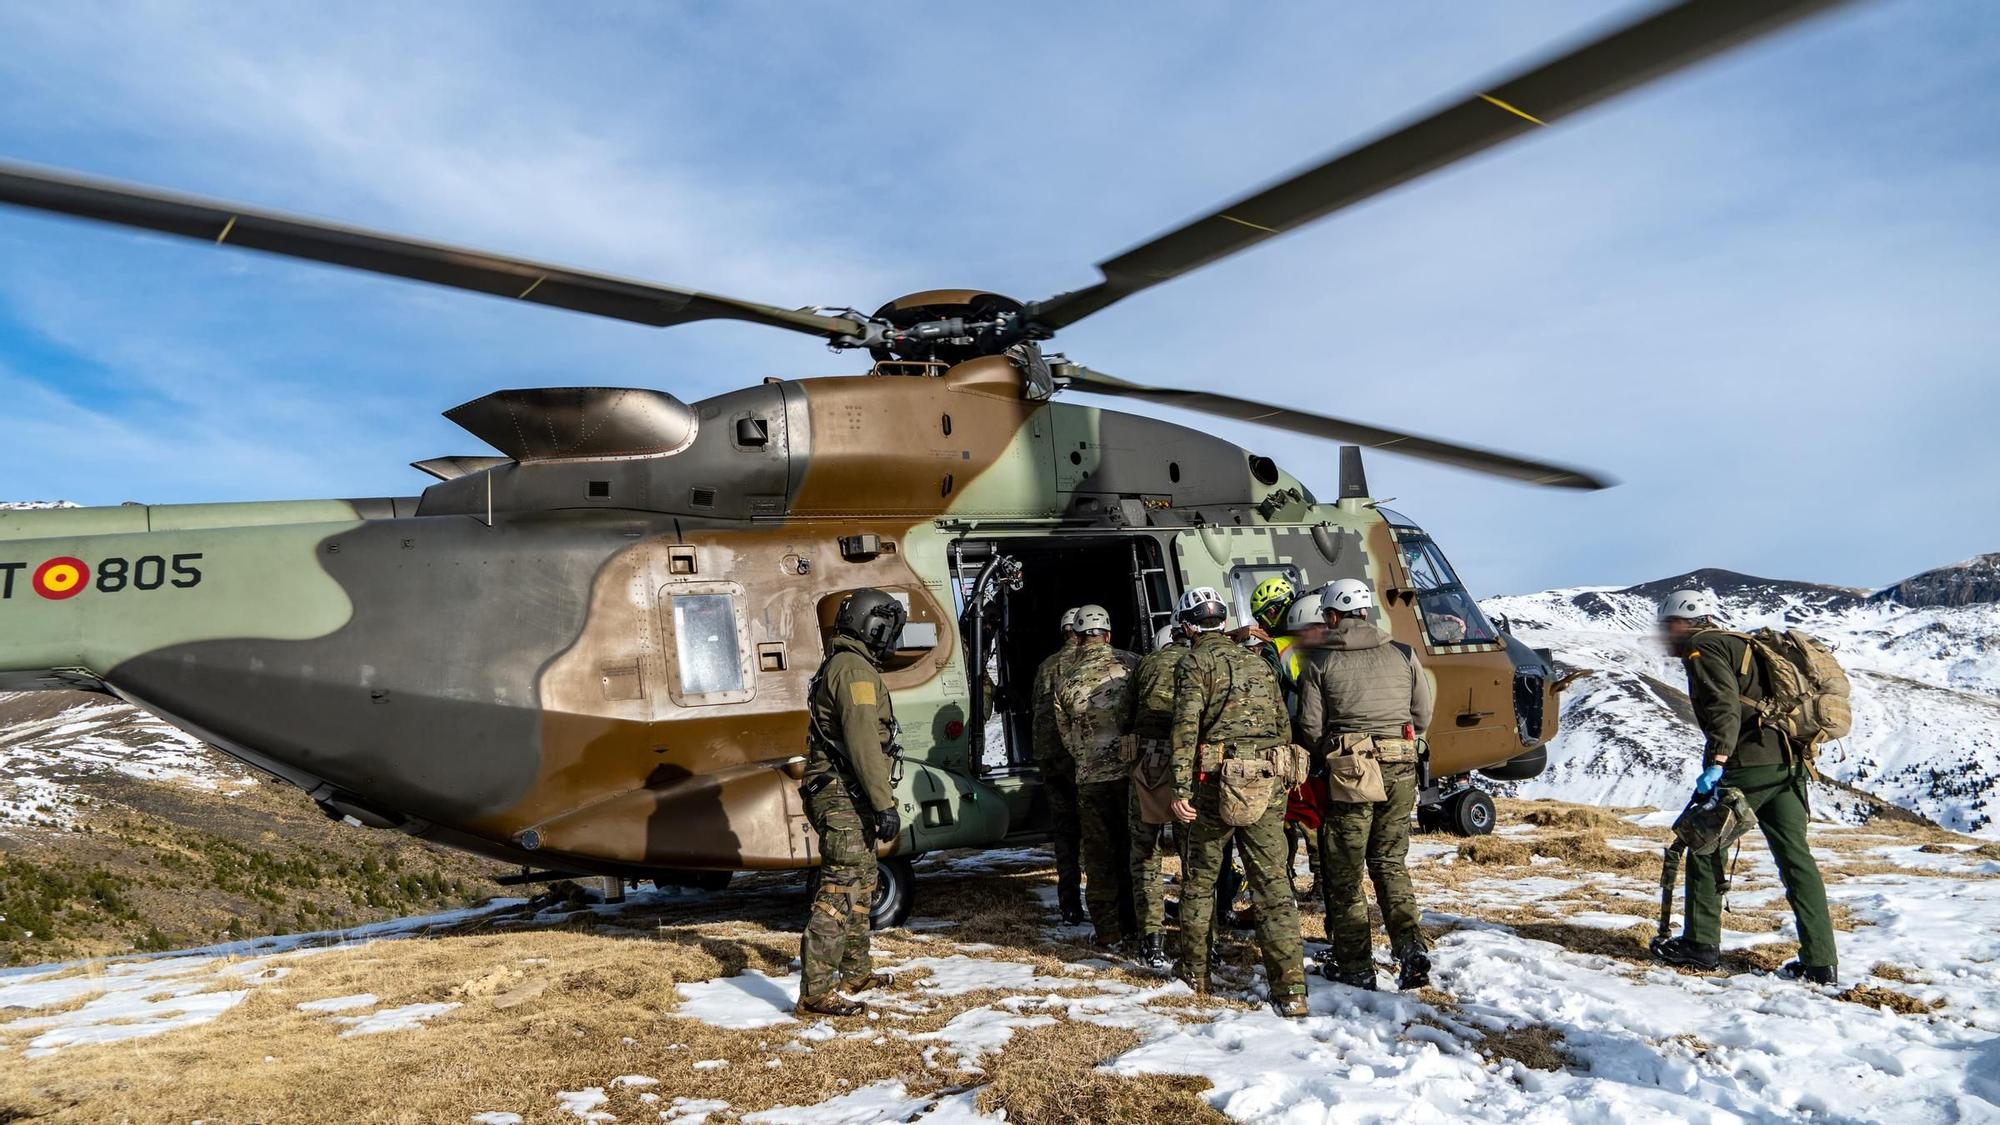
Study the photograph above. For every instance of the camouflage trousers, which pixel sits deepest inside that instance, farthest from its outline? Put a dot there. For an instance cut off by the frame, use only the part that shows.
(1374, 836)
(835, 945)
(1296, 836)
(1149, 892)
(1059, 782)
(1262, 846)
(1779, 797)
(1103, 814)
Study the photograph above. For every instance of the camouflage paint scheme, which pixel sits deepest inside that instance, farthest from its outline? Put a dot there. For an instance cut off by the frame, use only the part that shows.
(492, 665)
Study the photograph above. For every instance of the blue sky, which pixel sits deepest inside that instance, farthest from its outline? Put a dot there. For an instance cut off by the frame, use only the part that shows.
(1762, 292)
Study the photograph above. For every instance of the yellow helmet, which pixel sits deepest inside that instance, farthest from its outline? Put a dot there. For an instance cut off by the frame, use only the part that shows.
(1269, 601)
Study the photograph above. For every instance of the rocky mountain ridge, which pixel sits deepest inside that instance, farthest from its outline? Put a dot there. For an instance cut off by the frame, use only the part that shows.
(1923, 656)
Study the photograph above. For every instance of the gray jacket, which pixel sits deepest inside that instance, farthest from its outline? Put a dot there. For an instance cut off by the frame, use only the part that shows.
(1361, 683)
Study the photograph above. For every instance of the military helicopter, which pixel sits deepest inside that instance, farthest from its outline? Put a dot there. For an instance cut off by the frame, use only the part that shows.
(589, 653)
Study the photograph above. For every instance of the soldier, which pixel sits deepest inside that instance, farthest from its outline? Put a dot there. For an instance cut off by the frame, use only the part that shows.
(1303, 631)
(1090, 716)
(1149, 716)
(1743, 754)
(1363, 701)
(1058, 771)
(1227, 709)
(849, 798)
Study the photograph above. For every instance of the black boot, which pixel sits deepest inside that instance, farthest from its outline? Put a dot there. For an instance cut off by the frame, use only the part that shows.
(1811, 974)
(1153, 951)
(1416, 972)
(1106, 943)
(1362, 978)
(1070, 908)
(1687, 954)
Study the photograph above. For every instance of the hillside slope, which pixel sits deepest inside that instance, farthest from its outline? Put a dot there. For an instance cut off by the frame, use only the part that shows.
(1926, 684)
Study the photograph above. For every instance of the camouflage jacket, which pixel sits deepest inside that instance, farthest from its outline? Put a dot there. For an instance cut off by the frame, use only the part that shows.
(1149, 706)
(850, 705)
(1718, 683)
(1090, 708)
(1047, 745)
(1223, 694)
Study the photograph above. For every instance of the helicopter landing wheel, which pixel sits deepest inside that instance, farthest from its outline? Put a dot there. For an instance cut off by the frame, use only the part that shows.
(895, 892)
(1470, 812)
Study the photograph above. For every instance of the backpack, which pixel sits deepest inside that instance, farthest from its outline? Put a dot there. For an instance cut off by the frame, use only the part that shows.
(1807, 698)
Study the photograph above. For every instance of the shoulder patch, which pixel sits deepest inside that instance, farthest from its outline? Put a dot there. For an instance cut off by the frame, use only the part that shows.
(861, 693)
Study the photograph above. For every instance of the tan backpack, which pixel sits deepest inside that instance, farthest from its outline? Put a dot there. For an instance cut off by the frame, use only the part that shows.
(1808, 691)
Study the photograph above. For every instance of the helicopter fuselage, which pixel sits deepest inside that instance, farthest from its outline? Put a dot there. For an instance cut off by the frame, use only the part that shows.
(594, 655)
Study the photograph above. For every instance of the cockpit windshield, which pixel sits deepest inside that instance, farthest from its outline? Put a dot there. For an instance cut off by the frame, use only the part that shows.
(1449, 614)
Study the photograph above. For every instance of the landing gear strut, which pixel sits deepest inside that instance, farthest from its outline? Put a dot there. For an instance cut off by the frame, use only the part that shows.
(1456, 805)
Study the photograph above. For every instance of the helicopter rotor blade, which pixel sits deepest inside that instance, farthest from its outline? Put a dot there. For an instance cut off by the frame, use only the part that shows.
(480, 272)
(1651, 48)
(1477, 460)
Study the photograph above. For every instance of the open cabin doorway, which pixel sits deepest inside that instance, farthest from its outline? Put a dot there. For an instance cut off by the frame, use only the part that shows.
(1022, 586)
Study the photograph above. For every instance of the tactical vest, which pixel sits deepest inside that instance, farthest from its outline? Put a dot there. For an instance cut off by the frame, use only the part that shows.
(1366, 690)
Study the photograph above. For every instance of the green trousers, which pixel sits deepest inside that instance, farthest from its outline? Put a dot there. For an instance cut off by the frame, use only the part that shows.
(1375, 837)
(1149, 892)
(1778, 794)
(1059, 782)
(835, 945)
(1103, 816)
(1262, 846)
(1296, 836)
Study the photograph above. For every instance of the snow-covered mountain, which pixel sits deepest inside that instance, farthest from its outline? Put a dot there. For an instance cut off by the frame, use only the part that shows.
(1923, 656)
(36, 505)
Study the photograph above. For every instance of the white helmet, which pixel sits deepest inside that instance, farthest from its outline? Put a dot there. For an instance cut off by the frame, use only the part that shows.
(1203, 610)
(1304, 612)
(1166, 635)
(1069, 618)
(1346, 595)
(1687, 604)
(1093, 619)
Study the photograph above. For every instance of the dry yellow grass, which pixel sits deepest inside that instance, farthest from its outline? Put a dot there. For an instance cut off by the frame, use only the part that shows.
(1049, 1076)
(1536, 1046)
(1901, 1003)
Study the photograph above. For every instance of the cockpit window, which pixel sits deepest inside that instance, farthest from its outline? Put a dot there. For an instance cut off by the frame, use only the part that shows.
(1449, 614)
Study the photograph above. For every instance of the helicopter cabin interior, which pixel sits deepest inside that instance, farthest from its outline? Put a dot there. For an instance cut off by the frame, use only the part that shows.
(1012, 592)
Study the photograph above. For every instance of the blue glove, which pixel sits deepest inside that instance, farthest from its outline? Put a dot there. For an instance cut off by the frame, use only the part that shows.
(1705, 784)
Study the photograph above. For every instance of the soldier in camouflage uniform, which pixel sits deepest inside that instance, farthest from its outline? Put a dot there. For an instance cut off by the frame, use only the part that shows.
(1756, 760)
(849, 799)
(1365, 695)
(1149, 716)
(1058, 771)
(1091, 717)
(1226, 706)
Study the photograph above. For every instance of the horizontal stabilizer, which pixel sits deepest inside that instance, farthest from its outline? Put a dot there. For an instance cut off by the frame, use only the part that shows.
(452, 468)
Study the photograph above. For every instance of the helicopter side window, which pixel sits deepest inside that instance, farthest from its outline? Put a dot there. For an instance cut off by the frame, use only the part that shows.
(707, 654)
(1449, 614)
(1244, 579)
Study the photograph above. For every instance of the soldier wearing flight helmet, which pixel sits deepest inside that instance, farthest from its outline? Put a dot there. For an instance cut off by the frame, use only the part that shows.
(849, 798)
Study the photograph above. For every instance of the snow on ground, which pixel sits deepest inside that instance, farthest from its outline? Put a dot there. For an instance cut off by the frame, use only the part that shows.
(1637, 1042)
(46, 760)
(145, 995)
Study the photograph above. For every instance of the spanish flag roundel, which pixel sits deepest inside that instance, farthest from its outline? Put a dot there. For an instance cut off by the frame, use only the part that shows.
(61, 578)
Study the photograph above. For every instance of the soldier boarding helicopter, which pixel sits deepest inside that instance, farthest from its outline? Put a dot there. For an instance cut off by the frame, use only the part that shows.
(590, 653)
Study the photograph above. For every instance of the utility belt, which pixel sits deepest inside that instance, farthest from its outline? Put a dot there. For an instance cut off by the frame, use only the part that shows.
(1250, 777)
(1386, 749)
(843, 766)
(1354, 765)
